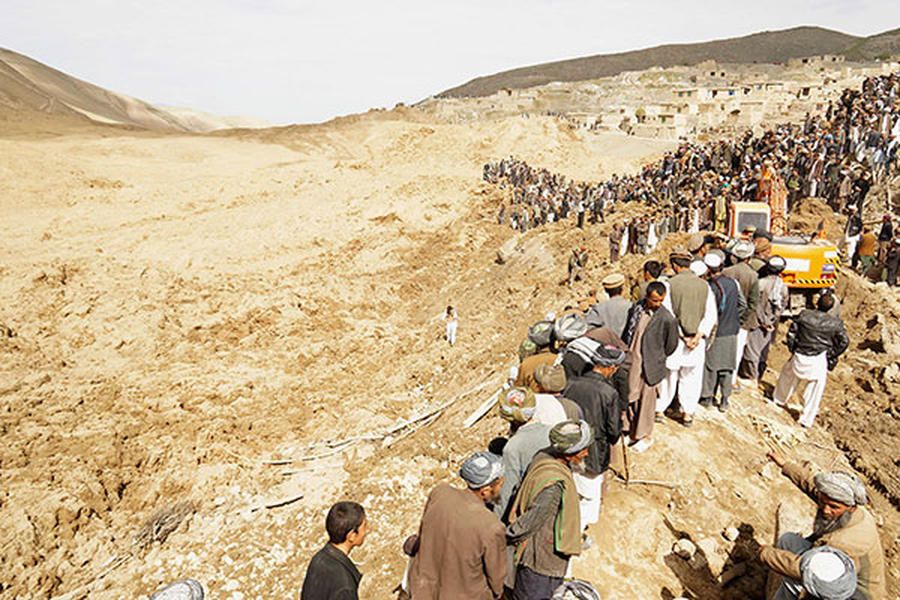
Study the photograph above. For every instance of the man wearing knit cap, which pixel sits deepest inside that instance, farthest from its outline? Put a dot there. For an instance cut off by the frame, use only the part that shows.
(526, 438)
(545, 526)
(611, 313)
(720, 356)
(462, 544)
(541, 335)
(551, 407)
(602, 407)
(762, 244)
(748, 280)
(694, 307)
(842, 522)
(697, 245)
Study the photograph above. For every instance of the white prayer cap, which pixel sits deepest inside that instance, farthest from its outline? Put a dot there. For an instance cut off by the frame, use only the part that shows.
(698, 268)
(827, 566)
(713, 261)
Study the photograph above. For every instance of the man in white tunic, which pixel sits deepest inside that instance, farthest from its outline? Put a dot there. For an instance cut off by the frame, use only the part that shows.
(692, 302)
(816, 340)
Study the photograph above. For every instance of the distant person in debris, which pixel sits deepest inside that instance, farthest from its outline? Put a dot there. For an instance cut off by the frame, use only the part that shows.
(331, 575)
(852, 233)
(885, 235)
(842, 522)
(461, 549)
(545, 524)
(598, 398)
(577, 262)
(451, 318)
(722, 351)
(652, 333)
(892, 262)
(526, 438)
(866, 250)
(615, 242)
(816, 339)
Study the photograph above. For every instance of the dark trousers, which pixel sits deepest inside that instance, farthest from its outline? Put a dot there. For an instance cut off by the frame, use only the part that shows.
(581, 220)
(714, 381)
(534, 586)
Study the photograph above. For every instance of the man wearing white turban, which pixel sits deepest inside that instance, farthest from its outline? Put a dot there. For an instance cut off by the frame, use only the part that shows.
(842, 522)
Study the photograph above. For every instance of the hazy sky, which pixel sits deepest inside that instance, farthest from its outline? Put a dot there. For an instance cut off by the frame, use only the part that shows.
(303, 61)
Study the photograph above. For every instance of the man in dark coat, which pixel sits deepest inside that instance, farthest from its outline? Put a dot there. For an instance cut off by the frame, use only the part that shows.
(652, 333)
(599, 400)
(721, 354)
(816, 339)
(331, 575)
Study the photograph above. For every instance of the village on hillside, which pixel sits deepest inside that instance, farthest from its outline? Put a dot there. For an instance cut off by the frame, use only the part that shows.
(680, 102)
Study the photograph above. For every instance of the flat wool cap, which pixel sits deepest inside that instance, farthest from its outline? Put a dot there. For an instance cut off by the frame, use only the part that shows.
(613, 281)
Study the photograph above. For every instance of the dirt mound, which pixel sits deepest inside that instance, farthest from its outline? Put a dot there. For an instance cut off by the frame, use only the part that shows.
(204, 342)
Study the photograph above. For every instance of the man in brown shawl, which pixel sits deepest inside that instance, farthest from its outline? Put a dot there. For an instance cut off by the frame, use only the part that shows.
(545, 523)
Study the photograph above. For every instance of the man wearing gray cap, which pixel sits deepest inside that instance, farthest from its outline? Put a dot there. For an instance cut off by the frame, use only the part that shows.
(842, 522)
(462, 545)
(748, 280)
(611, 313)
(545, 523)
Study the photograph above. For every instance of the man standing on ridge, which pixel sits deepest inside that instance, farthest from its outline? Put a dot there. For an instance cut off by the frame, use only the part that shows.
(816, 339)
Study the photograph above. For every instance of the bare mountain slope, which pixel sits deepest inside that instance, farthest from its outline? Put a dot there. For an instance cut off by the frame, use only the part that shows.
(766, 46)
(32, 90)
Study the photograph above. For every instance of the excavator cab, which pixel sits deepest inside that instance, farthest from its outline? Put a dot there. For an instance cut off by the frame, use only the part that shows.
(811, 265)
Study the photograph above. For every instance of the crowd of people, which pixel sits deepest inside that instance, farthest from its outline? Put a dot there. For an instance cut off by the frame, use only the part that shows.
(836, 156)
(597, 381)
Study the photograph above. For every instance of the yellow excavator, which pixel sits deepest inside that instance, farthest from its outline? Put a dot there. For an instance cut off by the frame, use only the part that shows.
(812, 264)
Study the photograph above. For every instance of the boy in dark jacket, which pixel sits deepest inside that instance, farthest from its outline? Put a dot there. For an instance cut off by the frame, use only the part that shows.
(331, 575)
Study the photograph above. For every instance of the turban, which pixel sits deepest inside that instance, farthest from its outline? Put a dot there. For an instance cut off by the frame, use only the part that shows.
(584, 348)
(541, 333)
(186, 589)
(777, 264)
(571, 437)
(743, 249)
(575, 590)
(551, 379)
(518, 405)
(481, 469)
(569, 327)
(828, 573)
(842, 487)
(608, 356)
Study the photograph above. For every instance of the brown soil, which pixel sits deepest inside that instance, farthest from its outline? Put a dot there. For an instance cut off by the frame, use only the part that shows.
(177, 310)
